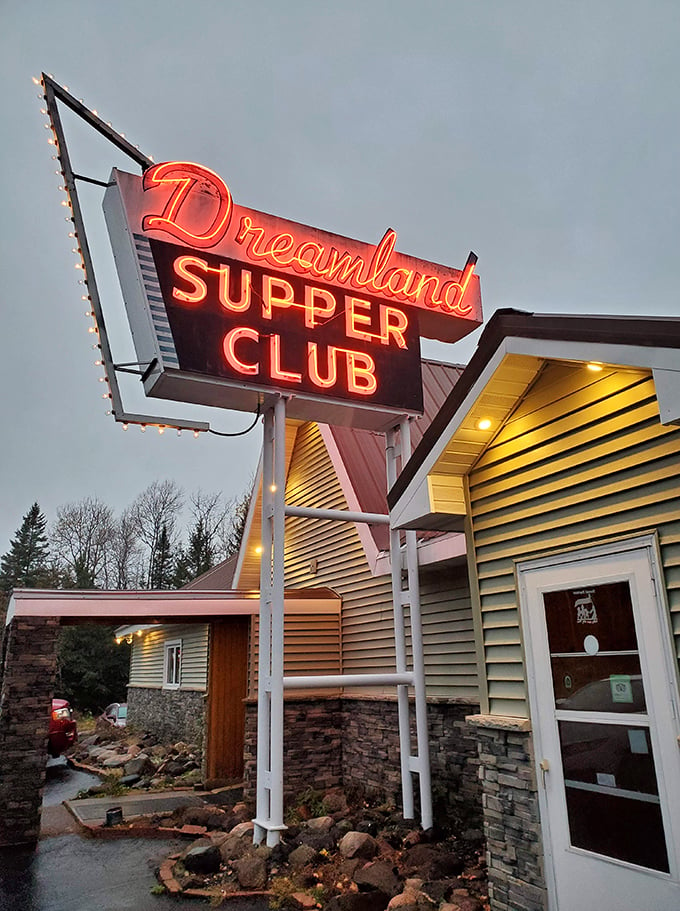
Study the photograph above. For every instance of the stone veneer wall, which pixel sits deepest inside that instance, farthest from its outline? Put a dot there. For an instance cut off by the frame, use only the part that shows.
(370, 752)
(29, 669)
(511, 815)
(312, 744)
(170, 715)
(340, 741)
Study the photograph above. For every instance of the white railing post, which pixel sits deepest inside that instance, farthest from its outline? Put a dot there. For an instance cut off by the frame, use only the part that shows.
(422, 738)
(399, 641)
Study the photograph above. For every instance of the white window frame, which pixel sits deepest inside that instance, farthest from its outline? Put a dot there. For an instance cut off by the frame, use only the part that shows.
(173, 684)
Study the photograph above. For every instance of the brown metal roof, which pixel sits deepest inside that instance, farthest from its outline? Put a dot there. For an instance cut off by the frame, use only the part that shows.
(363, 451)
(646, 332)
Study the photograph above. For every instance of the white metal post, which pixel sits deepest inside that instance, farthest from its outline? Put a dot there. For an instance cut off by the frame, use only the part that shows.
(400, 642)
(423, 758)
(278, 591)
(262, 811)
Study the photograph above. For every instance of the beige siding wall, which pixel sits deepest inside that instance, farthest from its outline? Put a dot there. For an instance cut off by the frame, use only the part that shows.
(146, 665)
(328, 553)
(582, 460)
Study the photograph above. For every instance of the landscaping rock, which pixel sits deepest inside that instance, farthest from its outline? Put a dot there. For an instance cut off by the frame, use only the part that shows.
(320, 841)
(446, 865)
(115, 762)
(251, 872)
(203, 858)
(233, 847)
(301, 856)
(321, 823)
(358, 844)
(128, 780)
(243, 828)
(463, 901)
(420, 859)
(358, 901)
(139, 765)
(377, 875)
(404, 901)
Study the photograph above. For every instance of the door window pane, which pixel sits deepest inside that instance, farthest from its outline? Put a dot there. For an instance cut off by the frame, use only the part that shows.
(611, 791)
(594, 650)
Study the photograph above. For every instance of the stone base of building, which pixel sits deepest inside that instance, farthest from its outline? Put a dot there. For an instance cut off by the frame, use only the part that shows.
(29, 663)
(170, 715)
(355, 741)
(511, 814)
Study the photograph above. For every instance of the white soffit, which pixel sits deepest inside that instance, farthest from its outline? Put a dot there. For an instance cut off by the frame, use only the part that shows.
(104, 606)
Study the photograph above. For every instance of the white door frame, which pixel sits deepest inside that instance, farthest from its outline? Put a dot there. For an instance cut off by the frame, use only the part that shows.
(523, 569)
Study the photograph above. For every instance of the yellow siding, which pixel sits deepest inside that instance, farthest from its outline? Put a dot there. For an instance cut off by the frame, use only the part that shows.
(582, 459)
(328, 553)
(146, 665)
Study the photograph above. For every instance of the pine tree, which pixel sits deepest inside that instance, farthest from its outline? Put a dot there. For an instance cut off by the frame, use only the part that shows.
(25, 565)
(161, 571)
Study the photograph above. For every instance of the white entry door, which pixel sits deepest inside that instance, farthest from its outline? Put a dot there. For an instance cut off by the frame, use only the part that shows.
(604, 705)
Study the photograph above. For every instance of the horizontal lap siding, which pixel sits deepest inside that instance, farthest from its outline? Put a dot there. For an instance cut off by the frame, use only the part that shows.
(146, 665)
(367, 628)
(582, 460)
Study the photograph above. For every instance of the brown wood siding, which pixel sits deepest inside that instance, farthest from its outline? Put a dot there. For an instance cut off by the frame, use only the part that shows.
(226, 692)
(583, 459)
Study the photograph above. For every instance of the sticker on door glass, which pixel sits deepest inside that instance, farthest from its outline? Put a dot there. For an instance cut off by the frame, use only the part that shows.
(621, 687)
(637, 739)
(585, 607)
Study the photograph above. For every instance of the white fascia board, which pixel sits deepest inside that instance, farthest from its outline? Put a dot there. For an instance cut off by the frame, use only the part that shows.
(413, 497)
(641, 356)
(667, 385)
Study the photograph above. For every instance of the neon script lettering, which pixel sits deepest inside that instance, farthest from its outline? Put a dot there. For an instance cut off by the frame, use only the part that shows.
(198, 212)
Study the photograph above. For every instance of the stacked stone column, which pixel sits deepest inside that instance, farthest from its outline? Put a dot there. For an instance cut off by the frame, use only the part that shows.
(29, 669)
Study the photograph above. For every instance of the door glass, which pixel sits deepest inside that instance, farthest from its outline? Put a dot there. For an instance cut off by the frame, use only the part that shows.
(594, 650)
(611, 790)
(612, 796)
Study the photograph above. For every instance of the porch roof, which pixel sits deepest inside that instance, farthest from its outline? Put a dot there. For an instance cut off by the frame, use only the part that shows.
(117, 607)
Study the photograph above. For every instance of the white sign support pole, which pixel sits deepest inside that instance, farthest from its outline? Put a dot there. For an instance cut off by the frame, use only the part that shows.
(269, 807)
(422, 761)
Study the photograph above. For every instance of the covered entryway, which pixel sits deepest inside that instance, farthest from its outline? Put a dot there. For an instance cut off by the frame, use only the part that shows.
(604, 708)
(29, 668)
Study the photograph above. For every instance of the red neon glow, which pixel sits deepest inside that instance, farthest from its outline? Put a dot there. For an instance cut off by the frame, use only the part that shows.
(361, 373)
(199, 288)
(246, 289)
(393, 323)
(312, 297)
(271, 284)
(229, 346)
(375, 270)
(277, 372)
(331, 377)
(186, 175)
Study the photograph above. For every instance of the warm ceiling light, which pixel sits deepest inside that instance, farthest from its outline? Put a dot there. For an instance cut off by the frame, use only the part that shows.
(484, 424)
(258, 549)
(596, 368)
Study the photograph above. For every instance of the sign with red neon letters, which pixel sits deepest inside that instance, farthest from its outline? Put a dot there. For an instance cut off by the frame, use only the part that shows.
(254, 299)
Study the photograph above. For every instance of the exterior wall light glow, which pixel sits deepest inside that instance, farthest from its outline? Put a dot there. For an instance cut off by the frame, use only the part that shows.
(484, 424)
(258, 549)
(595, 368)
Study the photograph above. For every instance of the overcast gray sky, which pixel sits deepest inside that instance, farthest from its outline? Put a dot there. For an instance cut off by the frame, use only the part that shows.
(544, 136)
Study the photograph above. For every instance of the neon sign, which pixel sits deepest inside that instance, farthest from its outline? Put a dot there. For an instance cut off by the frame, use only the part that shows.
(373, 270)
(228, 305)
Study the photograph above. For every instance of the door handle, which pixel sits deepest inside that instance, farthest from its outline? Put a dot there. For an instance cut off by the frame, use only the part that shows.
(544, 766)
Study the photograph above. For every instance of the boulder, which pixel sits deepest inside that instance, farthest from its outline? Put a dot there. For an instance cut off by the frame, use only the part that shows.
(203, 858)
(301, 856)
(379, 876)
(251, 872)
(139, 765)
(320, 823)
(358, 844)
(233, 847)
(358, 901)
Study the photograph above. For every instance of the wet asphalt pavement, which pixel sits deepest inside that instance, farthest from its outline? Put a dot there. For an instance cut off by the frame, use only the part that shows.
(73, 873)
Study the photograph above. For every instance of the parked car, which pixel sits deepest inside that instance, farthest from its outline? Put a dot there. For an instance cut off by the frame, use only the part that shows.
(63, 731)
(115, 714)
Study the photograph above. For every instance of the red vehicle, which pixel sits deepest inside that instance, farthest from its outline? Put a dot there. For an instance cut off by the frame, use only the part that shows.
(63, 729)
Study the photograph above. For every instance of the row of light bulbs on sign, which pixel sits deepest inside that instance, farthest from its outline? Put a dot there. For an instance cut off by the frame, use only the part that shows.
(90, 314)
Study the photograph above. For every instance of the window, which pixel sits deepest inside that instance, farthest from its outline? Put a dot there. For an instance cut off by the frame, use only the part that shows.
(172, 672)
